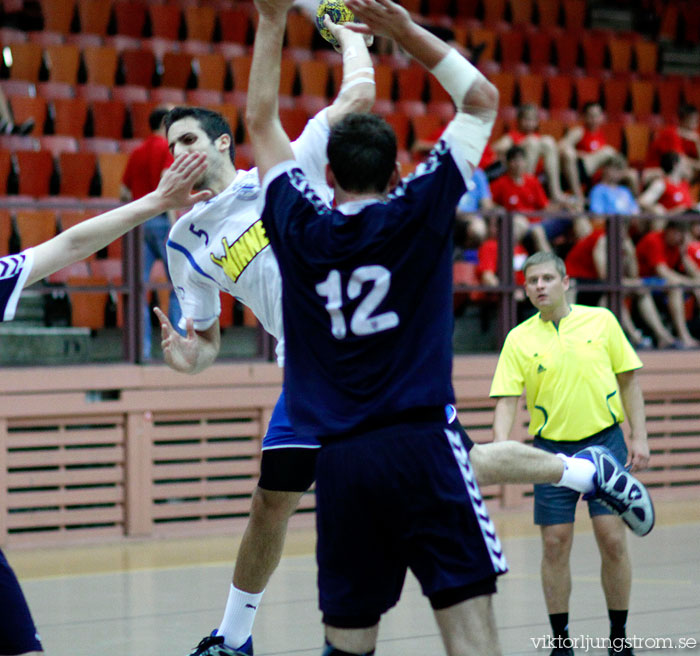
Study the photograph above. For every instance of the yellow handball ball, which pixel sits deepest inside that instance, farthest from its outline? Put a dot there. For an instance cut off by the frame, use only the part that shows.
(338, 13)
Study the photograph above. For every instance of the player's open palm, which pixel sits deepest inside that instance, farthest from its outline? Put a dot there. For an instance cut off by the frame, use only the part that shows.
(381, 17)
(179, 352)
(177, 182)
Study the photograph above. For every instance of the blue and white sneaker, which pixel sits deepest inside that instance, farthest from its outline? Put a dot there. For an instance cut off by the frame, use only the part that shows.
(619, 491)
(213, 645)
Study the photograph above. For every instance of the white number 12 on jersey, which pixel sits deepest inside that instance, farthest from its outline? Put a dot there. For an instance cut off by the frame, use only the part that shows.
(362, 321)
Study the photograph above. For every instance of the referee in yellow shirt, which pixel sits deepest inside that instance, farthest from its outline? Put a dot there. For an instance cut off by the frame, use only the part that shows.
(578, 372)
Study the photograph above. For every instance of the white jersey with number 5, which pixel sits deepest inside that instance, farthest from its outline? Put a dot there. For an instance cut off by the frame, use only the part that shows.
(220, 245)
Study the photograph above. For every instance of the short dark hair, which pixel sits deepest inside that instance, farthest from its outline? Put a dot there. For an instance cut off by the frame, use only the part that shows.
(213, 123)
(156, 117)
(686, 110)
(589, 104)
(668, 161)
(362, 152)
(513, 152)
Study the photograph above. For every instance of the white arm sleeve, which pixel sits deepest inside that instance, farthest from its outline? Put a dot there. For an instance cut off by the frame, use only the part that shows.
(467, 136)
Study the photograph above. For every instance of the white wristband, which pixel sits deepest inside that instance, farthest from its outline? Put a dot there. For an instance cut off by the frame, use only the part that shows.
(353, 83)
(456, 75)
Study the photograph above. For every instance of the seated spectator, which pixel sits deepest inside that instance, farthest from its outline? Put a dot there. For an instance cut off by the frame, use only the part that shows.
(682, 139)
(610, 196)
(519, 191)
(540, 150)
(470, 227)
(584, 149)
(669, 194)
(7, 122)
(587, 263)
(660, 258)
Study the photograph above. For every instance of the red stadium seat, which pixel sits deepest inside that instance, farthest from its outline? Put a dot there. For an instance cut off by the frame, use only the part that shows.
(108, 118)
(166, 21)
(176, 69)
(642, 93)
(130, 17)
(26, 107)
(521, 12)
(235, 24)
(615, 93)
(530, 89)
(70, 116)
(76, 173)
(566, 46)
(587, 90)
(559, 91)
(620, 50)
(139, 66)
(548, 12)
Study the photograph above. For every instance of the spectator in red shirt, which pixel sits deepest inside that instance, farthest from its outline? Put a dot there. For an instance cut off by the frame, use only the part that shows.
(669, 194)
(682, 139)
(587, 263)
(141, 176)
(541, 153)
(519, 191)
(661, 259)
(584, 150)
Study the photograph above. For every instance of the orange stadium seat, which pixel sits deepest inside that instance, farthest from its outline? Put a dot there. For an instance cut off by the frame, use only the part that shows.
(166, 21)
(620, 51)
(587, 90)
(26, 107)
(35, 170)
(559, 91)
(176, 69)
(70, 116)
(76, 172)
(494, 12)
(512, 47)
(34, 226)
(436, 92)
(574, 15)
(669, 92)
(139, 66)
(593, 46)
(111, 168)
(108, 118)
(300, 31)
(636, 139)
(130, 17)
(200, 22)
(94, 16)
(63, 62)
(402, 126)
(615, 92)
(231, 113)
(314, 75)
(240, 67)
(5, 170)
(58, 15)
(410, 82)
(88, 308)
(548, 12)
(426, 128)
(539, 48)
(212, 71)
(139, 112)
(642, 93)
(384, 81)
(293, 121)
(479, 35)
(504, 81)
(646, 55)
(235, 24)
(26, 61)
(521, 12)
(530, 89)
(288, 75)
(5, 228)
(566, 46)
(101, 64)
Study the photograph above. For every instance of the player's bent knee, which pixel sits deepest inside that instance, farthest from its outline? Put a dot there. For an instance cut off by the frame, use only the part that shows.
(330, 650)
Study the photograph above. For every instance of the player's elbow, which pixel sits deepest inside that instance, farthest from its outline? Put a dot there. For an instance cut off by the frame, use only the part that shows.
(362, 97)
(482, 97)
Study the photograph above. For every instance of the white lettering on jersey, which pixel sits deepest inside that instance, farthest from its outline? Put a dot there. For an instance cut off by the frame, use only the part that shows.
(362, 322)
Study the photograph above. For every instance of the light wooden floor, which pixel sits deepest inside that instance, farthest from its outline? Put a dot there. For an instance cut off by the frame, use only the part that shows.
(161, 597)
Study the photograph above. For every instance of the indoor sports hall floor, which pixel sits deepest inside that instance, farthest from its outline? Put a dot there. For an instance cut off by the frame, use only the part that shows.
(161, 597)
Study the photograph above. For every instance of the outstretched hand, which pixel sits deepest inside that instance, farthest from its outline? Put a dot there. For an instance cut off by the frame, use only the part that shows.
(179, 352)
(380, 17)
(340, 32)
(176, 183)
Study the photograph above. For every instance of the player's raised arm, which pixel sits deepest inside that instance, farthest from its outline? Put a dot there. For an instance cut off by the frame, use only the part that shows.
(270, 142)
(357, 91)
(174, 192)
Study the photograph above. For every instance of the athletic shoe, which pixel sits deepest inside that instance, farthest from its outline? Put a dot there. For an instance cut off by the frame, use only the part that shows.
(619, 491)
(213, 645)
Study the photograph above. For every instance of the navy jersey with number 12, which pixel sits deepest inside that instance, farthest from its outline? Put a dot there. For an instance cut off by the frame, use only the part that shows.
(367, 292)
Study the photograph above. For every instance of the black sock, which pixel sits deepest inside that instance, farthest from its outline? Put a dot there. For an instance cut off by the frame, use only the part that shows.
(618, 623)
(560, 624)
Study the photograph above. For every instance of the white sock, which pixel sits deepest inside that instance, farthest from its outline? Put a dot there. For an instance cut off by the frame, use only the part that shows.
(237, 623)
(578, 474)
